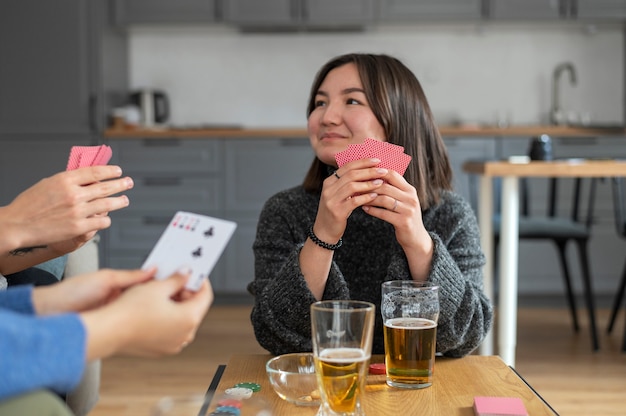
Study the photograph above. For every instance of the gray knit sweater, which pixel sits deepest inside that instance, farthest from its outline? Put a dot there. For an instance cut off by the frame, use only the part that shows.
(369, 256)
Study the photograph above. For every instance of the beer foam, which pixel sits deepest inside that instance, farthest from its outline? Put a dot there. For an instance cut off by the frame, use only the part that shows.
(343, 355)
(410, 323)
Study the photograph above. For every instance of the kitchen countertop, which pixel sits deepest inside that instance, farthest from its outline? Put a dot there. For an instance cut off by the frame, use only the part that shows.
(446, 131)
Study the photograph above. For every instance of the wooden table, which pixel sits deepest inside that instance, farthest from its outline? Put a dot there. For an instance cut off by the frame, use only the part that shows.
(457, 382)
(509, 229)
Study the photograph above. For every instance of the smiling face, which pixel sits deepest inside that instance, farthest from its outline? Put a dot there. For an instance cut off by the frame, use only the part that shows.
(341, 115)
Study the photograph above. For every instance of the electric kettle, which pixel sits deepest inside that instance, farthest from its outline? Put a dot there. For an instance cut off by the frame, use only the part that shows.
(153, 106)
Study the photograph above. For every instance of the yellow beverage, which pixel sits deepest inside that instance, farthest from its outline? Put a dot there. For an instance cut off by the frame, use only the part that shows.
(341, 374)
(410, 345)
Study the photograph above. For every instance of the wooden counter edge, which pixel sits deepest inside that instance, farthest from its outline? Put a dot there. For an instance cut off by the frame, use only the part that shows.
(446, 131)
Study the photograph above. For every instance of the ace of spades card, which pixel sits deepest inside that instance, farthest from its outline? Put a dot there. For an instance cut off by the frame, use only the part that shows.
(190, 240)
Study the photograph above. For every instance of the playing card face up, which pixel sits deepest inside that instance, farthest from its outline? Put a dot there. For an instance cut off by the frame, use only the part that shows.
(190, 241)
(81, 156)
(391, 155)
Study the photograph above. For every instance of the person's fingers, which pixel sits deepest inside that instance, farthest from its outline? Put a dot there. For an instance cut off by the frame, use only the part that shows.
(91, 174)
(175, 283)
(98, 207)
(126, 278)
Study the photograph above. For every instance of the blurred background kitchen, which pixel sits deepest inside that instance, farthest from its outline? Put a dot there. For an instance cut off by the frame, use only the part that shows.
(227, 123)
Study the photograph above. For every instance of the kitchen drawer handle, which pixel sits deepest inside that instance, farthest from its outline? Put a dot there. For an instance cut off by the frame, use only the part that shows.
(175, 181)
(161, 142)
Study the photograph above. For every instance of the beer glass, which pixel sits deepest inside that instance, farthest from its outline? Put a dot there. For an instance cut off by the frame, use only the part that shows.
(410, 312)
(342, 333)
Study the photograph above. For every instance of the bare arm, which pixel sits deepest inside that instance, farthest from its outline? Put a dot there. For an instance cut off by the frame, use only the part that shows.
(59, 214)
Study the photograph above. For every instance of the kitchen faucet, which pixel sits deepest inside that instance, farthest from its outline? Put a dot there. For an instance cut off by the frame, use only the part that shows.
(556, 114)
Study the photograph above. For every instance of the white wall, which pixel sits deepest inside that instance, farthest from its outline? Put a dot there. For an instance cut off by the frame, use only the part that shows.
(470, 73)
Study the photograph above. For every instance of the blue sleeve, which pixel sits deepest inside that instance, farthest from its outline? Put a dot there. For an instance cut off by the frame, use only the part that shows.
(40, 352)
(18, 299)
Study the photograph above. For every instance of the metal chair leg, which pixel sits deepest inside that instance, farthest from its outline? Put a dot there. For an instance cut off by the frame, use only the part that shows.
(568, 283)
(591, 309)
(617, 301)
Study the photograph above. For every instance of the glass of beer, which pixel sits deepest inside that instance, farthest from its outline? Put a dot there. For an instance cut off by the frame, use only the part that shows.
(342, 332)
(410, 312)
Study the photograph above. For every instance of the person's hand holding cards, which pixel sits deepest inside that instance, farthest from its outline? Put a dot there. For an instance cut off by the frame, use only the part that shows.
(393, 190)
(391, 155)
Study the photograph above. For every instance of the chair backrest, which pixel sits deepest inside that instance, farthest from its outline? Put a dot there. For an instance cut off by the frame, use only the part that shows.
(581, 190)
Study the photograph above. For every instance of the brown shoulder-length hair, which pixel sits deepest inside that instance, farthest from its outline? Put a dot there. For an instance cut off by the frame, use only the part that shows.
(399, 103)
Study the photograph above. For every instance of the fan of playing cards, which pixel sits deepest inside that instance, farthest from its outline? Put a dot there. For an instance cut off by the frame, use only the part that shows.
(391, 156)
(81, 156)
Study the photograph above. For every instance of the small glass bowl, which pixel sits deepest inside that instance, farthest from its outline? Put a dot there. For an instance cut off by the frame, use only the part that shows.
(293, 378)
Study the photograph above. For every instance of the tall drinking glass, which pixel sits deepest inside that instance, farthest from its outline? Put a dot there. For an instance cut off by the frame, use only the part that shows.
(410, 312)
(342, 333)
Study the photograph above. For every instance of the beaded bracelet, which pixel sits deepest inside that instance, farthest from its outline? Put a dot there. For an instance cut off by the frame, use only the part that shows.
(323, 244)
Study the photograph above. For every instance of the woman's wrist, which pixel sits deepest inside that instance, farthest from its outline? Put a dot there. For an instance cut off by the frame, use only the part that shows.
(322, 243)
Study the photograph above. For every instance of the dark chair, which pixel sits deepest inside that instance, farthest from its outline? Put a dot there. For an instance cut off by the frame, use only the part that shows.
(561, 227)
(620, 225)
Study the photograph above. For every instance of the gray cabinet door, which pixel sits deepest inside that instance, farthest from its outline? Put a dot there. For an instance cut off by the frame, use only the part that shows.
(262, 12)
(44, 74)
(164, 11)
(333, 12)
(299, 13)
(256, 169)
(61, 67)
(601, 9)
(527, 9)
(404, 10)
(461, 150)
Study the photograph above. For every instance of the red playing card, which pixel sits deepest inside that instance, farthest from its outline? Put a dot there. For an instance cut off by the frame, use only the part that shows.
(397, 161)
(352, 152)
(74, 159)
(378, 147)
(87, 156)
(81, 156)
(499, 406)
(103, 156)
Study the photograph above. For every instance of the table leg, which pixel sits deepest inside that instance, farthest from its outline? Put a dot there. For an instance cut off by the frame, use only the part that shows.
(485, 218)
(509, 246)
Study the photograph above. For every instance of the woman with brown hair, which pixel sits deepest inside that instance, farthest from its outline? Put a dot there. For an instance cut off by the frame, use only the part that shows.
(346, 230)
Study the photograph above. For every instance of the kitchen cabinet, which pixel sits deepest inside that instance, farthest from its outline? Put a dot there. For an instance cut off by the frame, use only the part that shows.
(527, 9)
(296, 14)
(63, 67)
(461, 149)
(129, 12)
(223, 178)
(601, 9)
(256, 169)
(426, 10)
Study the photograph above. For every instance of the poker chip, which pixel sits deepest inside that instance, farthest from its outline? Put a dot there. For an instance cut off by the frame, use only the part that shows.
(228, 410)
(249, 385)
(230, 403)
(378, 368)
(240, 392)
